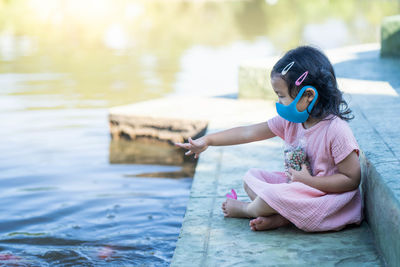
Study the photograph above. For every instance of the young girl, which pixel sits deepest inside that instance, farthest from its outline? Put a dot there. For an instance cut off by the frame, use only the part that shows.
(322, 194)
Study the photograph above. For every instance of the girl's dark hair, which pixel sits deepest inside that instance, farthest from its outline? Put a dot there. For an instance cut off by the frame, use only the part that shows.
(320, 75)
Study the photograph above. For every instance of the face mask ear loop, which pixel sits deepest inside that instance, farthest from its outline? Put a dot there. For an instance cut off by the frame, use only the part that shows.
(287, 68)
(301, 78)
(312, 104)
(309, 111)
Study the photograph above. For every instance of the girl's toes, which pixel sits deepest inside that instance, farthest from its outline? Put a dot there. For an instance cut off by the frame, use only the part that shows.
(224, 209)
(254, 221)
(257, 220)
(256, 224)
(253, 224)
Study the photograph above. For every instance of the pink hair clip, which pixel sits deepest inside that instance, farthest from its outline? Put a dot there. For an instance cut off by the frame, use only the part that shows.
(233, 195)
(301, 78)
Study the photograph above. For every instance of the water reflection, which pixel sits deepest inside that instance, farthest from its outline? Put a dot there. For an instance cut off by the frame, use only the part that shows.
(161, 153)
(117, 52)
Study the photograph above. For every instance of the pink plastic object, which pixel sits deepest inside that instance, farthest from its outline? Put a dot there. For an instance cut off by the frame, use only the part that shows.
(301, 78)
(8, 256)
(233, 194)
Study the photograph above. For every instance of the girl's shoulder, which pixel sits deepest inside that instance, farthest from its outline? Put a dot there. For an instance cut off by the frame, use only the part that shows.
(341, 139)
(337, 123)
(338, 128)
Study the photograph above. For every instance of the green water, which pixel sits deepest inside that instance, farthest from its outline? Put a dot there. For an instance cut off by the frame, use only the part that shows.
(106, 53)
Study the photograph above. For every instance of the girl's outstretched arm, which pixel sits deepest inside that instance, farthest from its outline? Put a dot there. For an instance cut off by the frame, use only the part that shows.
(233, 136)
(347, 179)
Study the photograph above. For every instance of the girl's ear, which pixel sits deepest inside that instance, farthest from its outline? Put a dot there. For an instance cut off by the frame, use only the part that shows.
(310, 94)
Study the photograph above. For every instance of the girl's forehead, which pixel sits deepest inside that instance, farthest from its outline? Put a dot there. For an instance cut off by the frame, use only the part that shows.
(279, 84)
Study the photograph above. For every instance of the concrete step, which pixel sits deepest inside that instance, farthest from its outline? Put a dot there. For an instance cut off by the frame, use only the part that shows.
(373, 93)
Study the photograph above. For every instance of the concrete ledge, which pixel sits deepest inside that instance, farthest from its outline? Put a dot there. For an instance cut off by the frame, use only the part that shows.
(381, 189)
(380, 186)
(390, 36)
(376, 106)
(384, 215)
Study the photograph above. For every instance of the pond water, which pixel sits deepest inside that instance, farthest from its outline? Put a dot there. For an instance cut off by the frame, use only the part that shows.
(64, 63)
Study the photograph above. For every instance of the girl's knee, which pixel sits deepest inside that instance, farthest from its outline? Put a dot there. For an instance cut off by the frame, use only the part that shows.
(250, 173)
(245, 186)
(252, 195)
(258, 207)
(247, 189)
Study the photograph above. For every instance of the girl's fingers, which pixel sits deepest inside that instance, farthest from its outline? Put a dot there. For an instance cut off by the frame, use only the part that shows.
(191, 141)
(179, 145)
(185, 145)
(189, 146)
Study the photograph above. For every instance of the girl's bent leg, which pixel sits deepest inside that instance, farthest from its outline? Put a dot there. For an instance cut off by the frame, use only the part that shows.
(249, 192)
(258, 208)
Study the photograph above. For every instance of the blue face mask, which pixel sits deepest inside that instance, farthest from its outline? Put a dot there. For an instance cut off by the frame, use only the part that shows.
(290, 111)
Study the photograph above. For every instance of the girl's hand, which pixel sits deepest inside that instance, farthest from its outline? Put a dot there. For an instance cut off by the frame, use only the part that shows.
(194, 146)
(299, 176)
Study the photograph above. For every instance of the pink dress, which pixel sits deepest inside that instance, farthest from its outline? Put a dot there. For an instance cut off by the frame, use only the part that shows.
(327, 143)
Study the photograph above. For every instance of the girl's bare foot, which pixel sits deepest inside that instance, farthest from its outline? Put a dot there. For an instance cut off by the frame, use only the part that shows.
(235, 208)
(268, 223)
